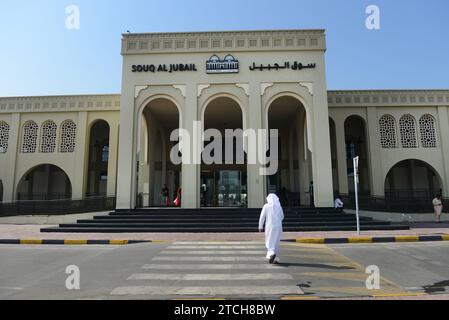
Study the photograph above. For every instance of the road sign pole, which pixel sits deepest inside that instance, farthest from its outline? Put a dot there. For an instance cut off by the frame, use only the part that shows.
(356, 189)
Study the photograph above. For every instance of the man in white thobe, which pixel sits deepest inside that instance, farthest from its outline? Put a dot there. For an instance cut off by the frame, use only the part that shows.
(271, 217)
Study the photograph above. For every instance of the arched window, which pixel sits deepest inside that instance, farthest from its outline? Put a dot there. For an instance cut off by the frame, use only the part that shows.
(407, 127)
(387, 129)
(48, 140)
(4, 136)
(428, 131)
(68, 137)
(29, 140)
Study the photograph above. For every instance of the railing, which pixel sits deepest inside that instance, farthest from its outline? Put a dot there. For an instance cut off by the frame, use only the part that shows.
(57, 207)
(395, 203)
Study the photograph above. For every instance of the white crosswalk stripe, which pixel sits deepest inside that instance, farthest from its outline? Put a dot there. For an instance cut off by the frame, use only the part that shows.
(214, 247)
(208, 266)
(214, 277)
(209, 252)
(177, 267)
(209, 259)
(207, 291)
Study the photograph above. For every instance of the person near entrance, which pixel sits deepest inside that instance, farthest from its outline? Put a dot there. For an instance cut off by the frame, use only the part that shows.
(438, 207)
(271, 220)
(177, 201)
(165, 195)
(312, 195)
(338, 204)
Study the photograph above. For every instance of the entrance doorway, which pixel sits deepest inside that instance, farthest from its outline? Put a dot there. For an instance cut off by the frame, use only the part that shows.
(224, 182)
(224, 188)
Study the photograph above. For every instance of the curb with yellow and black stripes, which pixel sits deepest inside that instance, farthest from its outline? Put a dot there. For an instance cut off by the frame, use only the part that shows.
(73, 242)
(357, 240)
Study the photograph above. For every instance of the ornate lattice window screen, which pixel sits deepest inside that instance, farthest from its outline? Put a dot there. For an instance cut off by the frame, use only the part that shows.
(48, 141)
(4, 136)
(428, 131)
(29, 141)
(68, 137)
(387, 128)
(407, 127)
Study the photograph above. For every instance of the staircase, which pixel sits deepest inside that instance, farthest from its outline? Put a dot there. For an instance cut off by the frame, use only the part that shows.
(219, 220)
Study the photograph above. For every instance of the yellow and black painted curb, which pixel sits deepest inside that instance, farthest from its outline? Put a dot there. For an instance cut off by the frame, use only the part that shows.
(358, 240)
(73, 242)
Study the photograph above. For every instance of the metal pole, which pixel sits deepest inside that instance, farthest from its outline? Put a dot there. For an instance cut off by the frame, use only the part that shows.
(356, 189)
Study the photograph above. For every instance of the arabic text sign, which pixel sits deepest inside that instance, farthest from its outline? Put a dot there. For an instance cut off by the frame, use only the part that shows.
(287, 65)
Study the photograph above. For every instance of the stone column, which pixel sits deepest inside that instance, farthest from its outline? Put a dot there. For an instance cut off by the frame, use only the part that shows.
(81, 157)
(191, 171)
(341, 157)
(321, 157)
(112, 161)
(256, 182)
(377, 185)
(443, 124)
(126, 189)
(10, 181)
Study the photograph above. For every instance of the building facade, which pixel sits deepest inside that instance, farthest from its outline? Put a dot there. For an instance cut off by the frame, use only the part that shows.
(122, 145)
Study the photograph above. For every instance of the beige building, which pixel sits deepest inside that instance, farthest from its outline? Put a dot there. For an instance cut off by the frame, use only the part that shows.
(120, 146)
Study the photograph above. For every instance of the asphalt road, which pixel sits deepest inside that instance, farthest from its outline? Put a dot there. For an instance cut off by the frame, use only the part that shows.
(229, 270)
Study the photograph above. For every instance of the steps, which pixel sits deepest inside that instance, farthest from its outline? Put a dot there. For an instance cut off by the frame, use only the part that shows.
(211, 220)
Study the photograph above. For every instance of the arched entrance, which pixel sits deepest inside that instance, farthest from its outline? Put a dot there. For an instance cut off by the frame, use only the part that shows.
(44, 182)
(412, 179)
(223, 169)
(155, 168)
(294, 177)
(356, 146)
(97, 178)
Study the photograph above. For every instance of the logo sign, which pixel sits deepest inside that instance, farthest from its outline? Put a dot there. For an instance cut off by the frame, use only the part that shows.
(216, 65)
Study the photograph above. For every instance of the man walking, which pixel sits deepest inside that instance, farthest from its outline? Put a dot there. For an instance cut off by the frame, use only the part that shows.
(271, 218)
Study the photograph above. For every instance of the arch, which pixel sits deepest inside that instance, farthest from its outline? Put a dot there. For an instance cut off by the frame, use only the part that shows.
(235, 93)
(223, 184)
(407, 129)
(48, 137)
(413, 179)
(67, 140)
(286, 113)
(44, 182)
(428, 131)
(387, 132)
(98, 158)
(29, 137)
(4, 137)
(160, 116)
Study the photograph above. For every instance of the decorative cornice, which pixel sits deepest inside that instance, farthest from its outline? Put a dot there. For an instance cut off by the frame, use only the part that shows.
(182, 88)
(60, 103)
(138, 90)
(308, 86)
(268, 40)
(202, 87)
(244, 86)
(388, 98)
(264, 87)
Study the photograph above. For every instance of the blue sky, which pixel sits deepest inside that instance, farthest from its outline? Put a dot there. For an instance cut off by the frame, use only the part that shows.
(39, 56)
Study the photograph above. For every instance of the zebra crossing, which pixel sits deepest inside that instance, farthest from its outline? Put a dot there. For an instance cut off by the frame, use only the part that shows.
(210, 269)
